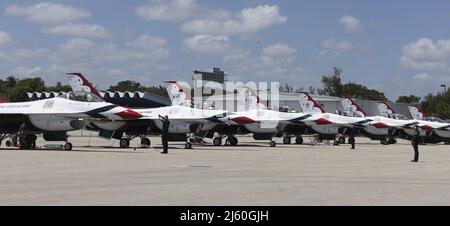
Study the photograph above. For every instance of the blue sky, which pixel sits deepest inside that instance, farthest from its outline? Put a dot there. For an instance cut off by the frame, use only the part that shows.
(399, 47)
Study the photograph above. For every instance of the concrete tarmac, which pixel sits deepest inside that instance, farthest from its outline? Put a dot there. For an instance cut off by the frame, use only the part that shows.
(250, 174)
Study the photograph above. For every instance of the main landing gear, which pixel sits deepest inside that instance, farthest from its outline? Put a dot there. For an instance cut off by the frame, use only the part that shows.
(299, 140)
(231, 141)
(287, 140)
(125, 142)
(388, 141)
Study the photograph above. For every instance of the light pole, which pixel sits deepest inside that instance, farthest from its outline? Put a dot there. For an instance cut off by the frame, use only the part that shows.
(445, 88)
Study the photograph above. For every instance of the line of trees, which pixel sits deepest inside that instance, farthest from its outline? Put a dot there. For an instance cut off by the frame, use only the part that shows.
(434, 105)
(130, 85)
(13, 89)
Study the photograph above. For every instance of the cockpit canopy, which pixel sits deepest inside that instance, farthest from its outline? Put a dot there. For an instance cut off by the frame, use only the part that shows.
(397, 116)
(81, 97)
(352, 114)
(433, 119)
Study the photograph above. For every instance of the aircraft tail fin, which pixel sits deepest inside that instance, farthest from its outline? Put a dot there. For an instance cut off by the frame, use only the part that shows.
(252, 100)
(177, 94)
(80, 84)
(350, 105)
(416, 112)
(385, 109)
(308, 104)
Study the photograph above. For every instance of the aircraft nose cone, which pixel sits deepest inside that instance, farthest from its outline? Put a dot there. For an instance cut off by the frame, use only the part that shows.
(129, 114)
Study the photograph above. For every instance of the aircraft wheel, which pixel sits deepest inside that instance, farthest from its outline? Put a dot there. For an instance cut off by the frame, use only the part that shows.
(124, 143)
(233, 141)
(391, 141)
(384, 142)
(146, 142)
(188, 146)
(68, 147)
(287, 140)
(217, 141)
(273, 144)
(24, 144)
(341, 140)
(8, 143)
(299, 140)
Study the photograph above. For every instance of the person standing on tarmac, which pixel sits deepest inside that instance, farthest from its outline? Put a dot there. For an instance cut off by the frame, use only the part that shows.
(165, 133)
(351, 138)
(415, 143)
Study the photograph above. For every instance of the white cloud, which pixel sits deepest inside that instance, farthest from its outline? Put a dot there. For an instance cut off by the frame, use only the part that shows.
(278, 54)
(79, 30)
(425, 54)
(25, 71)
(429, 59)
(351, 24)
(334, 45)
(87, 52)
(116, 72)
(278, 50)
(147, 41)
(248, 21)
(238, 55)
(77, 45)
(167, 10)
(207, 44)
(330, 48)
(4, 38)
(423, 77)
(26, 54)
(48, 13)
(277, 62)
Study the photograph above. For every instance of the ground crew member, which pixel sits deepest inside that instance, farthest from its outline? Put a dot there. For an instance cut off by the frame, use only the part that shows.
(165, 133)
(415, 143)
(351, 139)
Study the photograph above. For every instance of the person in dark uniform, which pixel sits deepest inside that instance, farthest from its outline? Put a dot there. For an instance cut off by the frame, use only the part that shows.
(415, 143)
(165, 133)
(351, 138)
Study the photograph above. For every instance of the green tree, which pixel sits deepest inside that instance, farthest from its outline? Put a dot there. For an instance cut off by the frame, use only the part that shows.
(133, 86)
(19, 91)
(411, 99)
(437, 105)
(332, 86)
(59, 88)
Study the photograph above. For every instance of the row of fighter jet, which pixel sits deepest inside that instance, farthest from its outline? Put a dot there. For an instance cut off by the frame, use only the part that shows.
(85, 108)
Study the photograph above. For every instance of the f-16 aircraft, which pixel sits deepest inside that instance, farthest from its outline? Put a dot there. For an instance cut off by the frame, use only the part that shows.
(267, 124)
(256, 119)
(330, 125)
(184, 120)
(386, 126)
(432, 129)
(380, 128)
(54, 117)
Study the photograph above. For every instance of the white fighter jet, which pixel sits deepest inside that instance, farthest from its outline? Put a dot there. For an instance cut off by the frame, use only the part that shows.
(54, 117)
(183, 119)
